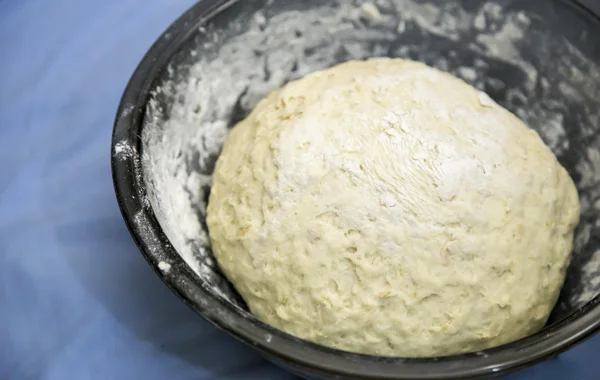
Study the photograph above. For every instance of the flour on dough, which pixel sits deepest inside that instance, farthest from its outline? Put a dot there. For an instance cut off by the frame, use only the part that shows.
(388, 208)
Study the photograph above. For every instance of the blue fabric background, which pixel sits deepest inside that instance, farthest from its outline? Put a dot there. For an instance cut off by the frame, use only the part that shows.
(77, 300)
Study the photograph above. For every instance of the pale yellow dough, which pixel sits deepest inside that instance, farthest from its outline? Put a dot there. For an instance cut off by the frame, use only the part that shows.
(389, 208)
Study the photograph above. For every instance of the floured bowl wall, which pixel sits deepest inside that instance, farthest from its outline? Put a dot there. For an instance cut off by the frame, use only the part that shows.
(538, 59)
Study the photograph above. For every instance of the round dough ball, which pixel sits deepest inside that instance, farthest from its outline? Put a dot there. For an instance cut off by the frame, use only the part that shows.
(388, 208)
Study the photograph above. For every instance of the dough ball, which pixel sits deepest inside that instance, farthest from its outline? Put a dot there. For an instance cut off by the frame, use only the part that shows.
(388, 208)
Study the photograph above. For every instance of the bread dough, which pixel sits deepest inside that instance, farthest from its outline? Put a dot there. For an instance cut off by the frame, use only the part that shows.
(388, 208)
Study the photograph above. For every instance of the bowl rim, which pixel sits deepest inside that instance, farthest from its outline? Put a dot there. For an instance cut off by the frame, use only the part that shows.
(130, 190)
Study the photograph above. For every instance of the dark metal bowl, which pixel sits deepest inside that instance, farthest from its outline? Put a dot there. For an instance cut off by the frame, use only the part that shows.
(576, 316)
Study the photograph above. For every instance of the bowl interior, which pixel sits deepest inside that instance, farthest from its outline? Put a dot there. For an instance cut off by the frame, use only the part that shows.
(538, 59)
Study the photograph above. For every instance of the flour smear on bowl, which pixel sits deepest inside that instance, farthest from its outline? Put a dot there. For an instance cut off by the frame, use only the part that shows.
(229, 68)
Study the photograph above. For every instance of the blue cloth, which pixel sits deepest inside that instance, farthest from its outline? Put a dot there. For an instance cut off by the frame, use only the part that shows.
(77, 300)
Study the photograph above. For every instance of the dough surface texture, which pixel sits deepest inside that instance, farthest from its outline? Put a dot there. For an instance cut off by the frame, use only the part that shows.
(388, 208)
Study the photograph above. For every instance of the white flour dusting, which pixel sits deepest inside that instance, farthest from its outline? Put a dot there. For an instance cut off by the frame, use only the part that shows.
(229, 68)
(590, 271)
(164, 266)
(123, 150)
